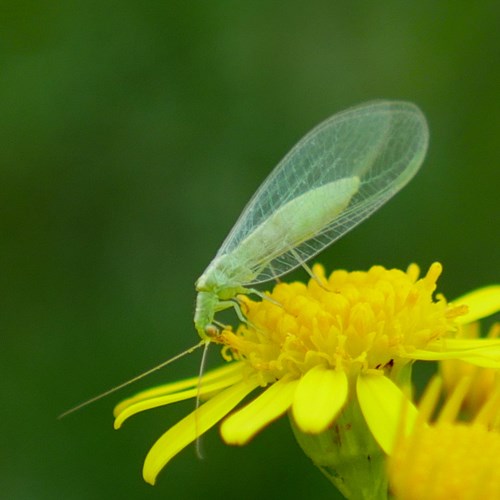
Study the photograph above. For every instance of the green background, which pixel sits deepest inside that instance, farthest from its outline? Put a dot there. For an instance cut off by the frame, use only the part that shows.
(132, 135)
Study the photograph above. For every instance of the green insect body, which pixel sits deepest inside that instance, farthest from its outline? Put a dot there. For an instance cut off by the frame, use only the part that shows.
(335, 177)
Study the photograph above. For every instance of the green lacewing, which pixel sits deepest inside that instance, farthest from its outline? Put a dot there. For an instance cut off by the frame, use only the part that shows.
(335, 177)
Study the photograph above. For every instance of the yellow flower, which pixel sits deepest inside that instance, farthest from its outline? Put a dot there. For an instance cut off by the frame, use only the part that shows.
(318, 349)
(448, 458)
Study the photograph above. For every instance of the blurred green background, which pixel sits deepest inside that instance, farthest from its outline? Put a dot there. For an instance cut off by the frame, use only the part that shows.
(132, 135)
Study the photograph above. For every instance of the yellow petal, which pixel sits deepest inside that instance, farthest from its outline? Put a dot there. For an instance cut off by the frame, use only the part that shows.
(192, 426)
(481, 352)
(486, 358)
(271, 404)
(464, 344)
(147, 404)
(384, 407)
(481, 303)
(230, 372)
(319, 397)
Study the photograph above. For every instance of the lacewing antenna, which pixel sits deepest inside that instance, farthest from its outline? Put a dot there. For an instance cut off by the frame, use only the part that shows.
(132, 380)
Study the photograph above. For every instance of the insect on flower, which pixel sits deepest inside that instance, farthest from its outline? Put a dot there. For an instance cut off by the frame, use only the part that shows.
(334, 178)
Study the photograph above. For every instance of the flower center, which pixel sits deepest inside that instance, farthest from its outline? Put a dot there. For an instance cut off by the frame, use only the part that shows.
(350, 321)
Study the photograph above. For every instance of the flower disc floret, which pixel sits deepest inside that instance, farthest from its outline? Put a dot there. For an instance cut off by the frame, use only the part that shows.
(352, 322)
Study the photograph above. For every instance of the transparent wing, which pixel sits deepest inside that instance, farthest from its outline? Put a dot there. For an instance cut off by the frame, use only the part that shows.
(383, 143)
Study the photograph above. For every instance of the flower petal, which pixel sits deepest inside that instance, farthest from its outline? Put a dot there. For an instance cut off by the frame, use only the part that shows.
(319, 397)
(240, 427)
(193, 426)
(481, 303)
(481, 352)
(384, 407)
(213, 376)
(154, 402)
